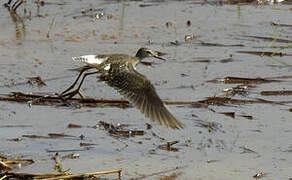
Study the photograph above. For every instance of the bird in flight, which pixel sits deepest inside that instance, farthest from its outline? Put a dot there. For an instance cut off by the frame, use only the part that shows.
(119, 72)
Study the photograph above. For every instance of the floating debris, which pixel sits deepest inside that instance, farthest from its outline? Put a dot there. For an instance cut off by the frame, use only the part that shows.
(4, 167)
(57, 135)
(37, 99)
(87, 144)
(211, 126)
(74, 126)
(189, 23)
(40, 99)
(108, 37)
(247, 117)
(229, 114)
(37, 136)
(269, 39)
(265, 53)
(259, 175)
(36, 80)
(66, 150)
(99, 15)
(221, 45)
(59, 175)
(282, 25)
(189, 37)
(71, 156)
(49, 136)
(280, 77)
(217, 100)
(175, 43)
(168, 146)
(168, 24)
(43, 3)
(58, 165)
(75, 38)
(49, 100)
(226, 60)
(8, 164)
(200, 60)
(145, 176)
(247, 150)
(118, 130)
(15, 126)
(276, 93)
(148, 5)
(90, 10)
(207, 60)
(237, 80)
(80, 126)
(224, 101)
(222, 2)
(148, 126)
(232, 115)
(96, 13)
(238, 90)
(15, 139)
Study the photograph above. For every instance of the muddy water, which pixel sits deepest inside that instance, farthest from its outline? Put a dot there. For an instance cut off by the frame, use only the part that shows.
(237, 148)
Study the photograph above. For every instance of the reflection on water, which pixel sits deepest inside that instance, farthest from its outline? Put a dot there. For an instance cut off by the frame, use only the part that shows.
(18, 21)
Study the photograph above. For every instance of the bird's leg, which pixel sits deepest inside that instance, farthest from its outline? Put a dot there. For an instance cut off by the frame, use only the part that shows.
(74, 83)
(16, 5)
(77, 91)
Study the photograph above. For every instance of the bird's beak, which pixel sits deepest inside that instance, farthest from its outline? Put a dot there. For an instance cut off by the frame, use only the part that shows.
(158, 55)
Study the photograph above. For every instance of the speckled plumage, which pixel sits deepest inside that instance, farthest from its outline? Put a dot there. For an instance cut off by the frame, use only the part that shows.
(118, 71)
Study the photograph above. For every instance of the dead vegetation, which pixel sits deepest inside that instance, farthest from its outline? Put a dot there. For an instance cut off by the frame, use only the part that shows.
(7, 165)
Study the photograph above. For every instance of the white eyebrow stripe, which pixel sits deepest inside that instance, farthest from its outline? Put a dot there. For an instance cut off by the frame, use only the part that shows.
(90, 59)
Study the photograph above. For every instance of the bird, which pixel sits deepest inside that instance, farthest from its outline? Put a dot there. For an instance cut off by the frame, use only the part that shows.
(119, 72)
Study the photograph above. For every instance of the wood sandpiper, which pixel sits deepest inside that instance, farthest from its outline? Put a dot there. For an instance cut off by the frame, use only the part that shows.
(119, 72)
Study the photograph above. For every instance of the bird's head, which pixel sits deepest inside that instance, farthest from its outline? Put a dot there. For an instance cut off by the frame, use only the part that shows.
(146, 52)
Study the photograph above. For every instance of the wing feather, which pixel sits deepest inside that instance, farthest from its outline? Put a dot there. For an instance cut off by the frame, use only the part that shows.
(141, 93)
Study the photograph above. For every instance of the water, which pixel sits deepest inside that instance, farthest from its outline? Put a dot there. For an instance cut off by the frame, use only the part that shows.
(44, 44)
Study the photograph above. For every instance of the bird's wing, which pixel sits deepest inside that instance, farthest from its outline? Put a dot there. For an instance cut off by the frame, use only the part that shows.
(140, 92)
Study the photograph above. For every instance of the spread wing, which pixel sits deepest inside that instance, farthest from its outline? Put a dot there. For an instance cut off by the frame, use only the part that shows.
(141, 93)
